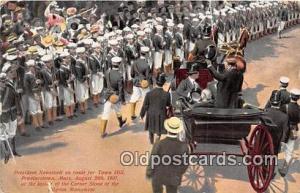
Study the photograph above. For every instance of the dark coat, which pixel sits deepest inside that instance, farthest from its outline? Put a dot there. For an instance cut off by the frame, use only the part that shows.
(179, 41)
(293, 111)
(158, 42)
(284, 96)
(115, 84)
(229, 85)
(10, 103)
(156, 110)
(140, 70)
(171, 174)
(278, 133)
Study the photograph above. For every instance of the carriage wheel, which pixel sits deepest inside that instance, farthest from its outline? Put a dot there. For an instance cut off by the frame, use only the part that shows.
(260, 146)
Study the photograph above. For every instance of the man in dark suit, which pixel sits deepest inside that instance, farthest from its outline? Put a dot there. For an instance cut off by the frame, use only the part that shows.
(189, 84)
(292, 109)
(168, 175)
(229, 84)
(155, 109)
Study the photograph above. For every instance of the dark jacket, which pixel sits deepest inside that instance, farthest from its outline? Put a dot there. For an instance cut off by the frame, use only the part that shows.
(30, 85)
(95, 64)
(115, 84)
(293, 111)
(140, 70)
(10, 103)
(278, 133)
(47, 79)
(229, 85)
(80, 71)
(178, 40)
(158, 42)
(156, 110)
(169, 174)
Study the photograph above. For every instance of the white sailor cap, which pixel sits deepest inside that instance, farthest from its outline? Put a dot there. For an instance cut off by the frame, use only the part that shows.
(147, 30)
(38, 28)
(129, 36)
(47, 58)
(284, 80)
(64, 54)
(127, 29)
(207, 12)
(170, 24)
(116, 59)
(119, 32)
(113, 42)
(145, 49)
(96, 45)
(180, 26)
(72, 45)
(88, 41)
(30, 63)
(135, 26)
(100, 38)
(159, 27)
(106, 36)
(2, 75)
(195, 20)
(193, 15)
(140, 33)
(41, 51)
(6, 67)
(80, 50)
(295, 91)
(120, 38)
(111, 34)
(159, 19)
(11, 57)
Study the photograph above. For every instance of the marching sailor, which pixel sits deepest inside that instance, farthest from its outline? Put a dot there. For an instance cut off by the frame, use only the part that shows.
(158, 44)
(81, 83)
(131, 53)
(179, 42)
(113, 52)
(284, 94)
(10, 107)
(66, 81)
(95, 64)
(32, 87)
(114, 95)
(49, 88)
(140, 73)
(292, 109)
(168, 37)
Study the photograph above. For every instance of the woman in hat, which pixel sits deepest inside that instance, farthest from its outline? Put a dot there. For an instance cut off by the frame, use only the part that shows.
(156, 110)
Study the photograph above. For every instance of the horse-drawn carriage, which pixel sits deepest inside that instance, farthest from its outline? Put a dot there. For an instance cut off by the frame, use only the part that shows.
(247, 127)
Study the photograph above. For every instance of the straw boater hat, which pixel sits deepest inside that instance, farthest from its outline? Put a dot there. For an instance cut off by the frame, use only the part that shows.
(32, 50)
(47, 40)
(173, 125)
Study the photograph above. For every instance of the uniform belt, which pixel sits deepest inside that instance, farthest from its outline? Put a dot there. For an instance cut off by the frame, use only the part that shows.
(10, 109)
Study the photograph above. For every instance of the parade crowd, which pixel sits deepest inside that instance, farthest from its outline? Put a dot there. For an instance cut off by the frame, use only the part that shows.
(52, 67)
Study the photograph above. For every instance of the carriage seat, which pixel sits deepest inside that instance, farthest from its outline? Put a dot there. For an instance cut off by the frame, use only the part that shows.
(233, 114)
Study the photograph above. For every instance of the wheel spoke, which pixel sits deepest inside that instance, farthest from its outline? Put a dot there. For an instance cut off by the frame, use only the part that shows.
(262, 140)
(263, 179)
